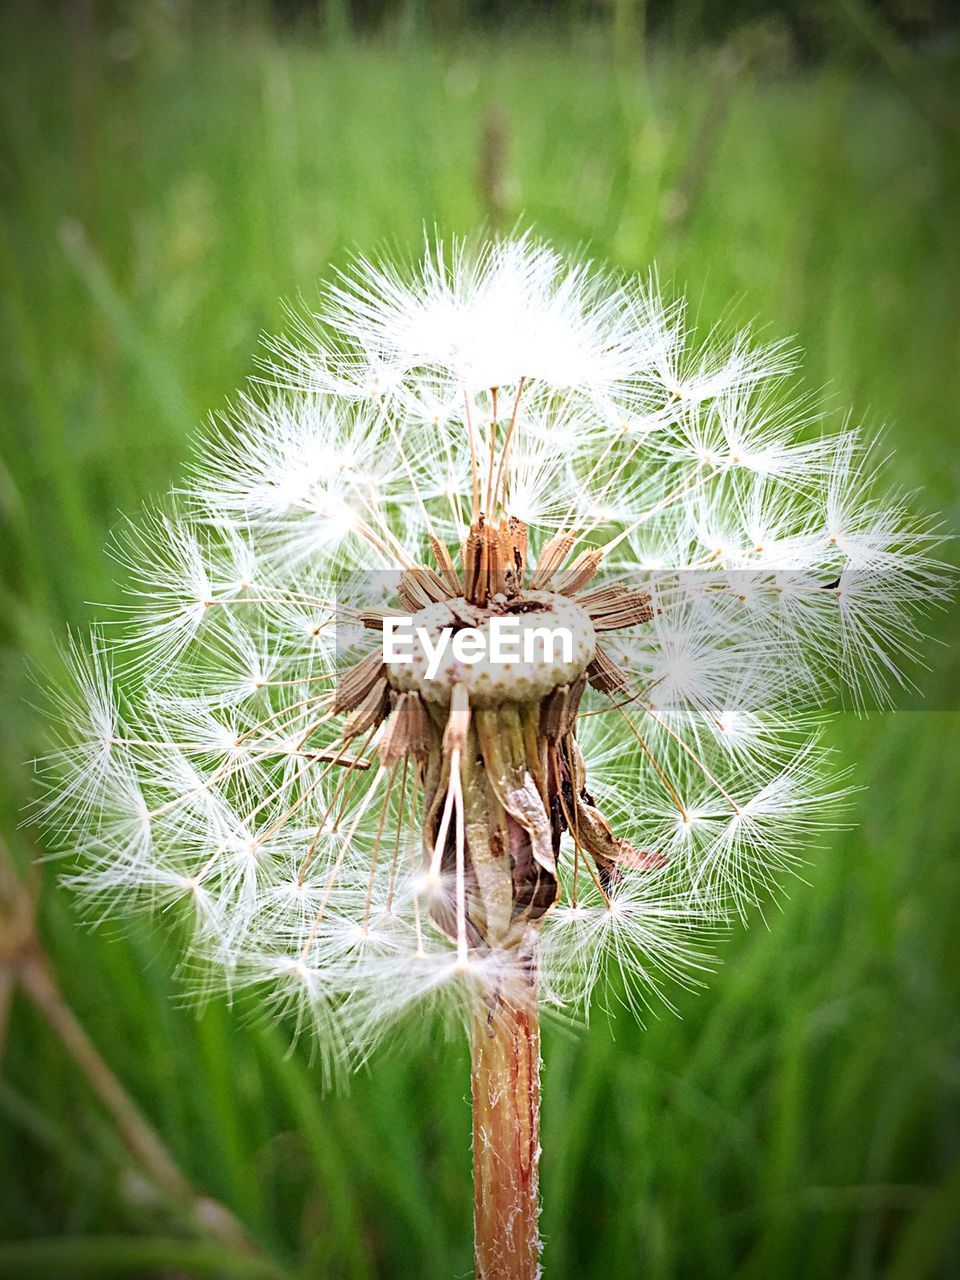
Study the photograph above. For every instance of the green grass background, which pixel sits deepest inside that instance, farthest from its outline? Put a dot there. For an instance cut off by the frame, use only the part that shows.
(165, 183)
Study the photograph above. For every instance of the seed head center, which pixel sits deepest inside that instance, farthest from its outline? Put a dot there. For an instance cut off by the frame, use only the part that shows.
(509, 650)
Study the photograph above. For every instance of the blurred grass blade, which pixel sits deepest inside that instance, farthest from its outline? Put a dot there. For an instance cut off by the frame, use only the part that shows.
(112, 1255)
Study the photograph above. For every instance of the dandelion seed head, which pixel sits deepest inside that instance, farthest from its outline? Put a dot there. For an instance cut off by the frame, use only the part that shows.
(497, 427)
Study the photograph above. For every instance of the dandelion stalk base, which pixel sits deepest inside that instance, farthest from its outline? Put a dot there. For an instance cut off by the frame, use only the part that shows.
(506, 1142)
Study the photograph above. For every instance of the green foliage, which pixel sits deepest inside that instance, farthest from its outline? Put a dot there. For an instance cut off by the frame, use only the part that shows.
(164, 188)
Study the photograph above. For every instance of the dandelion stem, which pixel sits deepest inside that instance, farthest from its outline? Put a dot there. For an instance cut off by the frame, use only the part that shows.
(506, 1138)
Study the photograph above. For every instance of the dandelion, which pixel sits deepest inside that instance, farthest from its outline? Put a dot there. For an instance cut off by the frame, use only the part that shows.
(502, 435)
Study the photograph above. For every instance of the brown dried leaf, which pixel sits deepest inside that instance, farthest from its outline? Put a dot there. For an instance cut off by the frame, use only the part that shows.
(355, 683)
(604, 674)
(370, 711)
(446, 566)
(583, 570)
(554, 552)
(407, 731)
